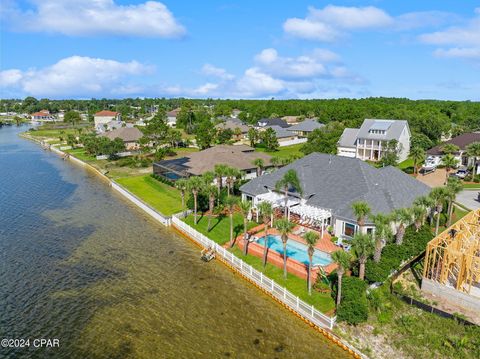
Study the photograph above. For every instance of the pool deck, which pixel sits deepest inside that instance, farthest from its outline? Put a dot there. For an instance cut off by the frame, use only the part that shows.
(293, 266)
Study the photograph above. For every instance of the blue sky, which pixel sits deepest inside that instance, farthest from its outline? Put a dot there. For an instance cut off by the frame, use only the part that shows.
(240, 49)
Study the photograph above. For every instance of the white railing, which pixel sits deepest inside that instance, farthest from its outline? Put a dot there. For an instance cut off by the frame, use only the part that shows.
(291, 142)
(307, 311)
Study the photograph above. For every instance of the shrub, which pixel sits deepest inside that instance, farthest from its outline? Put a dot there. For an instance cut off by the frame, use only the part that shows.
(354, 305)
(162, 179)
(393, 255)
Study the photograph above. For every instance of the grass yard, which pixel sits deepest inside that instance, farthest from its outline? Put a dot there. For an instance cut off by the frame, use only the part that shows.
(81, 155)
(220, 231)
(284, 152)
(471, 185)
(322, 301)
(52, 133)
(160, 196)
(408, 163)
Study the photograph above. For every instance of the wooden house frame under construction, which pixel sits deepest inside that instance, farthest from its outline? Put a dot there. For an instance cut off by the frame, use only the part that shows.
(452, 260)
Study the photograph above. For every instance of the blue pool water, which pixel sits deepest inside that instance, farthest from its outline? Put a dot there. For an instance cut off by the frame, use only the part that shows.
(296, 250)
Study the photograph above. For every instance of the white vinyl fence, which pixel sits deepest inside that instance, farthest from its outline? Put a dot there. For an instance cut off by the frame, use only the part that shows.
(281, 293)
(292, 142)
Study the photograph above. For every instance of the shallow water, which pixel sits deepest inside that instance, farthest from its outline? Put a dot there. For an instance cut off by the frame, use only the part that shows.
(80, 264)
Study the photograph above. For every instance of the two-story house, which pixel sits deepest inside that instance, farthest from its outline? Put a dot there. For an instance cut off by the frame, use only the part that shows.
(370, 141)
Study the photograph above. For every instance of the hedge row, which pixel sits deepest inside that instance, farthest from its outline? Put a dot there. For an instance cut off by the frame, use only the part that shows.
(162, 179)
(353, 307)
(393, 255)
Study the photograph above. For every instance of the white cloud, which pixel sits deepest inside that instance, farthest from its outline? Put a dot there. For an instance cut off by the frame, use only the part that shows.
(96, 17)
(76, 76)
(459, 52)
(334, 22)
(329, 23)
(218, 72)
(275, 75)
(465, 40)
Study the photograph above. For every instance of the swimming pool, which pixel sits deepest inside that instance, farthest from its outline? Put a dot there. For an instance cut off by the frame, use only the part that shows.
(296, 250)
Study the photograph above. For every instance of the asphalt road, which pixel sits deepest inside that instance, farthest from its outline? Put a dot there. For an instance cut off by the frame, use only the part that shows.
(469, 199)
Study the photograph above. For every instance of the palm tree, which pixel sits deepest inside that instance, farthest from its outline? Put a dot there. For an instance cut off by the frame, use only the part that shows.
(230, 204)
(219, 171)
(252, 135)
(438, 195)
(427, 203)
(311, 238)
(211, 191)
(342, 259)
(181, 185)
(245, 208)
(418, 215)
(266, 211)
(232, 175)
(195, 185)
(473, 150)
(402, 218)
(449, 161)
(363, 247)
(259, 163)
(418, 155)
(289, 179)
(382, 232)
(361, 210)
(285, 228)
(450, 148)
(454, 187)
(275, 161)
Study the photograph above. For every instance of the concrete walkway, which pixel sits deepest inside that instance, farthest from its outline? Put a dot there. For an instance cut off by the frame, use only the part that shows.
(468, 198)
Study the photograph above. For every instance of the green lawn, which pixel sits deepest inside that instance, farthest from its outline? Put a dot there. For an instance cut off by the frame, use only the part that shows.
(284, 152)
(52, 133)
(296, 285)
(81, 155)
(471, 185)
(160, 196)
(408, 163)
(220, 231)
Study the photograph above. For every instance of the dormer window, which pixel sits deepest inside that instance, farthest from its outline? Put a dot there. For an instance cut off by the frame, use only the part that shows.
(377, 132)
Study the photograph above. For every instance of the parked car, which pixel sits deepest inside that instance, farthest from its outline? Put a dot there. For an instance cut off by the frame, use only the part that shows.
(461, 173)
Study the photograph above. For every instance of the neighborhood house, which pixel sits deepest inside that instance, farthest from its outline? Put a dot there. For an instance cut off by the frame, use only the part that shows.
(172, 117)
(435, 154)
(240, 157)
(304, 128)
(370, 141)
(103, 117)
(129, 136)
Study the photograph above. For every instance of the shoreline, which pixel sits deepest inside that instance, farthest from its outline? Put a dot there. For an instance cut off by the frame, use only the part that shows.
(167, 222)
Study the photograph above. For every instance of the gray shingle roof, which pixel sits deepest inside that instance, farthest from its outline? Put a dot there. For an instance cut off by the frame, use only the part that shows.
(273, 122)
(348, 138)
(393, 128)
(335, 182)
(281, 132)
(307, 125)
(127, 134)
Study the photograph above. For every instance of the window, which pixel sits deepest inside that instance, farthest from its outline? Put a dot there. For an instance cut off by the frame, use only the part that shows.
(349, 230)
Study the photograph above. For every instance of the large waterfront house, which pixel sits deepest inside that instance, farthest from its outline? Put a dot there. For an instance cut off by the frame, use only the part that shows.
(304, 128)
(240, 157)
(370, 141)
(104, 117)
(330, 185)
(129, 135)
(435, 154)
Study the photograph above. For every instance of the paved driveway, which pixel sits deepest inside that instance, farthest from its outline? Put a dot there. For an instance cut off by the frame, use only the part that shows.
(434, 179)
(469, 199)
